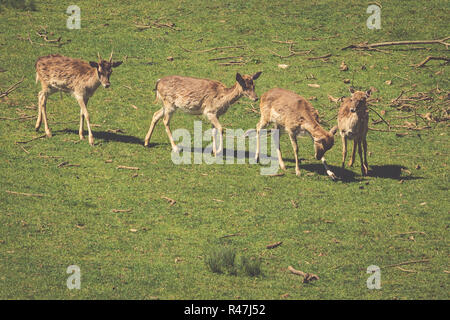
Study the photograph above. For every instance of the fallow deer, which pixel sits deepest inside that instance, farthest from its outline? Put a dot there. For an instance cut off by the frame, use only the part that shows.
(353, 123)
(78, 77)
(199, 97)
(297, 116)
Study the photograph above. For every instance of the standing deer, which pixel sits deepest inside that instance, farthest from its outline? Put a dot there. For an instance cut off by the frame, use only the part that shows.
(353, 123)
(297, 116)
(80, 78)
(199, 97)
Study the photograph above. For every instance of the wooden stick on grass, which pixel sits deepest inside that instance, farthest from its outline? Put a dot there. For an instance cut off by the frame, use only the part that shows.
(431, 58)
(126, 167)
(307, 277)
(274, 245)
(25, 194)
(121, 210)
(407, 262)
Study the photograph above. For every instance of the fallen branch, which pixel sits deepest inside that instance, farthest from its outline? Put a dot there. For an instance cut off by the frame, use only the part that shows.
(406, 270)
(11, 88)
(431, 58)
(274, 245)
(26, 194)
(67, 164)
(214, 49)
(321, 57)
(410, 232)
(121, 210)
(231, 235)
(367, 46)
(387, 123)
(226, 58)
(126, 167)
(307, 277)
(35, 138)
(20, 118)
(171, 201)
(405, 263)
(292, 52)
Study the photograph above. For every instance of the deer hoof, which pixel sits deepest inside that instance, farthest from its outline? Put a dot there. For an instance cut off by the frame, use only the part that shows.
(176, 149)
(48, 133)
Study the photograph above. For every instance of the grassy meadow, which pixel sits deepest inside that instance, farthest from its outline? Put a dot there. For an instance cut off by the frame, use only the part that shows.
(64, 202)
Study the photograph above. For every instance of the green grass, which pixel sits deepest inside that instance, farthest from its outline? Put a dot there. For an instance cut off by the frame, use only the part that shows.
(335, 230)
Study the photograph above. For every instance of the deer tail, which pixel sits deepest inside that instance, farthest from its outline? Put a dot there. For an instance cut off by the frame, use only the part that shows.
(157, 96)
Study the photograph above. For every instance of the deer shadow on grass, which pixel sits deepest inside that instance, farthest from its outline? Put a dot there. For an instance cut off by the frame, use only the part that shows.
(391, 171)
(111, 136)
(375, 171)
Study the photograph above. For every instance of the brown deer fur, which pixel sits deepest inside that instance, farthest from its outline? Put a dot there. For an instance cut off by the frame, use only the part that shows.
(199, 97)
(297, 116)
(80, 78)
(353, 122)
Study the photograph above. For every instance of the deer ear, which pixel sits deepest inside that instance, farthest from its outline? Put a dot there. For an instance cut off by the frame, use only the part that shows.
(368, 92)
(116, 64)
(240, 80)
(256, 75)
(93, 64)
(352, 90)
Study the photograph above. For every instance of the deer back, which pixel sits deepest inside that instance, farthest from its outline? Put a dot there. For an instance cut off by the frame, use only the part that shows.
(66, 74)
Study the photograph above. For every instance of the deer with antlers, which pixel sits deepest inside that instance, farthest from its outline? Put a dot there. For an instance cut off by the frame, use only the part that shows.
(199, 97)
(75, 76)
(353, 123)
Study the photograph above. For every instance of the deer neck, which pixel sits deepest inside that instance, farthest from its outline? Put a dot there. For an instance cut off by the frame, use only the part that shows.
(230, 96)
(92, 82)
(316, 131)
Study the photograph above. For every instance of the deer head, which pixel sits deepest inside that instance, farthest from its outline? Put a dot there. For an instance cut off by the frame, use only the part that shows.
(104, 69)
(247, 85)
(358, 99)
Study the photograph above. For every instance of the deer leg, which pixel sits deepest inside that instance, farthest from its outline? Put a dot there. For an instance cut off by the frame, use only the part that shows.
(80, 131)
(44, 97)
(352, 159)
(213, 133)
(344, 153)
(277, 143)
(260, 125)
(215, 122)
(361, 157)
(166, 121)
(82, 103)
(156, 117)
(39, 118)
(366, 166)
(293, 138)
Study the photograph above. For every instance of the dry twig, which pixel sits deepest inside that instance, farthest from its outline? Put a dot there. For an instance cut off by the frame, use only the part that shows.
(367, 46)
(307, 277)
(25, 194)
(11, 88)
(274, 245)
(431, 58)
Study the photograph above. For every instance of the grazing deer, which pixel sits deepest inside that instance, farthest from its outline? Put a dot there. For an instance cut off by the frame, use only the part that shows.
(353, 123)
(199, 97)
(297, 116)
(80, 78)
